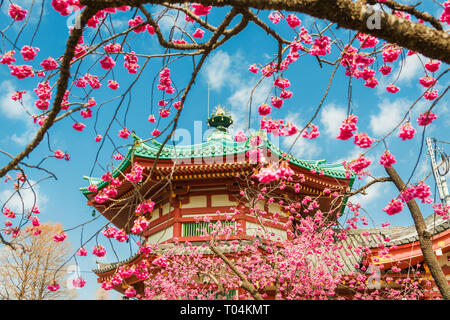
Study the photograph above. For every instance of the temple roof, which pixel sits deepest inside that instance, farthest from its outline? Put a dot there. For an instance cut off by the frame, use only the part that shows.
(219, 144)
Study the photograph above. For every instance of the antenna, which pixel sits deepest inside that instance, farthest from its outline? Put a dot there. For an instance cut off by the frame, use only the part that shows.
(208, 99)
(441, 182)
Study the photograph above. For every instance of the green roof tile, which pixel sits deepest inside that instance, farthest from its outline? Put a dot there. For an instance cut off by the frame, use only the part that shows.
(217, 146)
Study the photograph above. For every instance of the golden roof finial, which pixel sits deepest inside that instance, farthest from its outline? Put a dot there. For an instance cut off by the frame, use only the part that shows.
(220, 111)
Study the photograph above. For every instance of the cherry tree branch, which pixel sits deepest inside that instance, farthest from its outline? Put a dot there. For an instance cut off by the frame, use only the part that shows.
(429, 41)
(424, 237)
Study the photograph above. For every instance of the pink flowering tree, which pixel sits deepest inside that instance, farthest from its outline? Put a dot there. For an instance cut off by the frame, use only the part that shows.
(68, 87)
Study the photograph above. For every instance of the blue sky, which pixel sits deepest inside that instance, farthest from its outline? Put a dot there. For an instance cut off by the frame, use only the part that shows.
(226, 73)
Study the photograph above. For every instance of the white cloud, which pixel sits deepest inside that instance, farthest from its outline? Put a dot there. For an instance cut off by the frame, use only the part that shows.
(332, 117)
(303, 148)
(239, 100)
(25, 200)
(411, 69)
(15, 111)
(171, 19)
(389, 116)
(218, 71)
(372, 193)
(8, 107)
(352, 155)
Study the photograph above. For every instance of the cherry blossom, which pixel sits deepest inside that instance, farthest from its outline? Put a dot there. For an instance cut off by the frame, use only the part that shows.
(16, 12)
(406, 131)
(392, 88)
(200, 10)
(387, 159)
(198, 33)
(427, 81)
(264, 109)
(107, 63)
(99, 251)
(59, 237)
(347, 128)
(293, 21)
(53, 287)
(49, 64)
(124, 133)
(426, 118)
(253, 68)
(363, 140)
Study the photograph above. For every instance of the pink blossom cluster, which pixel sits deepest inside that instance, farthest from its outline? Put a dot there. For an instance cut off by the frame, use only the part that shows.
(124, 133)
(99, 250)
(427, 81)
(426, 118)
(321, 46)
(387, 159)
(392, 88)
(131, 62)
(367, 41)
(53, 287)
(293, 21)
(78, 126)
(394, 207)
(271, 173)
(421, 191)
(62, 6)
(198, 33)
(21, 71)
(58, 154)
(145, 207)
(43, 91)
(139, 225)
(347, 127)
(113, 48)
(88, 79)
(313, 133)
(29, 52)
(82, 252)
(353, 61)
(445, 16)
(135, 22)
(9, 213)
(278, 127)
(359, 165)
(276, 102)
(130, 292)
(275, 17)
(136, 174)
(432, 66)
(363, 140)
(49, 64)
(113, 84)
(59, 237)
(200, 10)
(391, 53)
(107, 63)
(430, 94)
(240, 136)
(442, 210)
(8, 57)
(17, 12)
(256, 155)
(165, 83)
(406, 131)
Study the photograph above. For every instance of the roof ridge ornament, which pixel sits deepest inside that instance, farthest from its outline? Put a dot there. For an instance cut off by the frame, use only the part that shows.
(220, 119)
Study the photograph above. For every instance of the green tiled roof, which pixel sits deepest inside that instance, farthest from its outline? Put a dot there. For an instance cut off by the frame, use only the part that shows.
(219, 144)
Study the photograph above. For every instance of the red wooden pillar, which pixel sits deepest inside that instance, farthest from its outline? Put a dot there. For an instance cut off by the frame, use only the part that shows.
(177, 225)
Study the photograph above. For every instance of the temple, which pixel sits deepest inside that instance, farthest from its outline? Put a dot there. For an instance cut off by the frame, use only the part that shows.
(185, 182)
